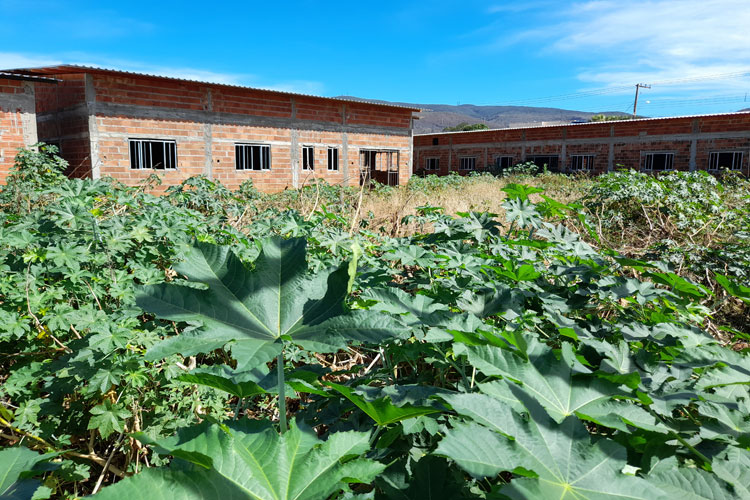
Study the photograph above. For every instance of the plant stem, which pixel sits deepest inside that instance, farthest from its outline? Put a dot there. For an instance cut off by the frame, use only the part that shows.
(282, 396)
(375, 435)
(706, 461)
(237, 408)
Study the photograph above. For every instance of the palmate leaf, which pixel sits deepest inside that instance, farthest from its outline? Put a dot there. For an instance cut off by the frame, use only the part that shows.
(562, 387)
(252, 461)
(257, 309)
(549, 381)
(561, 460)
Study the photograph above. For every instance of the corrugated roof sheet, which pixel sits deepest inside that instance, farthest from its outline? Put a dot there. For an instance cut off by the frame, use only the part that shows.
(30, 78)
(77, 68)
(586, 124)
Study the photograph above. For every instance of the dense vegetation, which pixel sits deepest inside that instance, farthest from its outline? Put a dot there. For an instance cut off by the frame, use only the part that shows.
(217, 344)
(466, 127)
(612, 118)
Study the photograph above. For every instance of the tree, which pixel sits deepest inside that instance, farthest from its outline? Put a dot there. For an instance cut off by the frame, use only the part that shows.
(466, 126)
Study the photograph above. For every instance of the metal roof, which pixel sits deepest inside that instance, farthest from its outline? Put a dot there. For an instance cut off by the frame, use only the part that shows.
(78, 68)
(586, 124)
(17, 76)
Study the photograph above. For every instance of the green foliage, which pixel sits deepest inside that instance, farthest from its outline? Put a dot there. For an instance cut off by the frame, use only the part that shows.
(482, 357)
(611, 118)
(252, 461)
(466, 127)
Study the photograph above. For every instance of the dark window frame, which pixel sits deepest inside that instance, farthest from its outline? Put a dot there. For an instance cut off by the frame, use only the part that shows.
(501, 159)
(144, 152)
(432, 164)
(245, 157)
(714, 159)
(587, 161)
(333, 159)
(308, 158)
(552, 162)
(649, 158)
(472, 160)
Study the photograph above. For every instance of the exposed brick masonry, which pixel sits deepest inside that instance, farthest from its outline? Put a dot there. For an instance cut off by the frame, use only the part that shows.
(619, 144)
(92, 115)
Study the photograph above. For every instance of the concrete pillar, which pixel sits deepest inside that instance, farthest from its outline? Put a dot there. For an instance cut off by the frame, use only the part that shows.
(90, 96)
(611, 153)
(693, 164)
(450, 154)
(208, 138)
(693, 155)
(410, 166)
(28, 114)
(344, 147)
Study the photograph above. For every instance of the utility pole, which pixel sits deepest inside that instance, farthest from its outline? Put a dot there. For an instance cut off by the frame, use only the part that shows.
(637, 87)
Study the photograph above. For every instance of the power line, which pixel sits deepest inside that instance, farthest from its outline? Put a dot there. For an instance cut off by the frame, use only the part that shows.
(620, 89)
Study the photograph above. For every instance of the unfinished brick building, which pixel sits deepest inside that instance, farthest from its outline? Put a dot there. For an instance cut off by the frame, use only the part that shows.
(17, 116)
(708, 142)
(129, 126)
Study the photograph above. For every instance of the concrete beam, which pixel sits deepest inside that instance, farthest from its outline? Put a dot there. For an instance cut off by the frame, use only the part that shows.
(216, 118)
(25, 105)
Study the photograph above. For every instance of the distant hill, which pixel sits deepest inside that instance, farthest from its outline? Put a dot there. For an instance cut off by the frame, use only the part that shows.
(435, 117)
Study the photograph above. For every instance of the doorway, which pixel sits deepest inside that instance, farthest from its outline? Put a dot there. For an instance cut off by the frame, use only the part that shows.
(379, 165)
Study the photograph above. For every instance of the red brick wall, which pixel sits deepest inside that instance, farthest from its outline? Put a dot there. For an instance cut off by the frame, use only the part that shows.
(631, 140)
(114, 155)
(14, 133)
(143, 107)
(63, 120)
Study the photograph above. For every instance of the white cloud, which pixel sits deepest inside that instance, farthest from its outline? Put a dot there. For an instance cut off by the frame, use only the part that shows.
(14, 60)
(297, 86)
(658, 40)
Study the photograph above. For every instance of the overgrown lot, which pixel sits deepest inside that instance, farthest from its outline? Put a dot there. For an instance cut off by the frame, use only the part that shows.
(519, 337)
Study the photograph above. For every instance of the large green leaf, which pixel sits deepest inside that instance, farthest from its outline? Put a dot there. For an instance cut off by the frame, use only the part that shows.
(257, 309)
(382, 410)
(252, 461)
(734, 468)
(561, 460)
(16, 464)
(691, 484)
(222, 377)
(563, 387)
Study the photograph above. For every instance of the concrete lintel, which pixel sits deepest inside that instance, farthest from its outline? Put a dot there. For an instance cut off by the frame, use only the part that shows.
(79, 110)
(14, 102)
(216, 118)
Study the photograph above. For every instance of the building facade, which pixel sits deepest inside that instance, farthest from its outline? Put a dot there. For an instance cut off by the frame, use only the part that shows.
(17, 116)
(129, 126)
(708, 142)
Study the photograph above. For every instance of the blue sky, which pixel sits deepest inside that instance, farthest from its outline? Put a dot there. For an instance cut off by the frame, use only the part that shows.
(470, 52)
